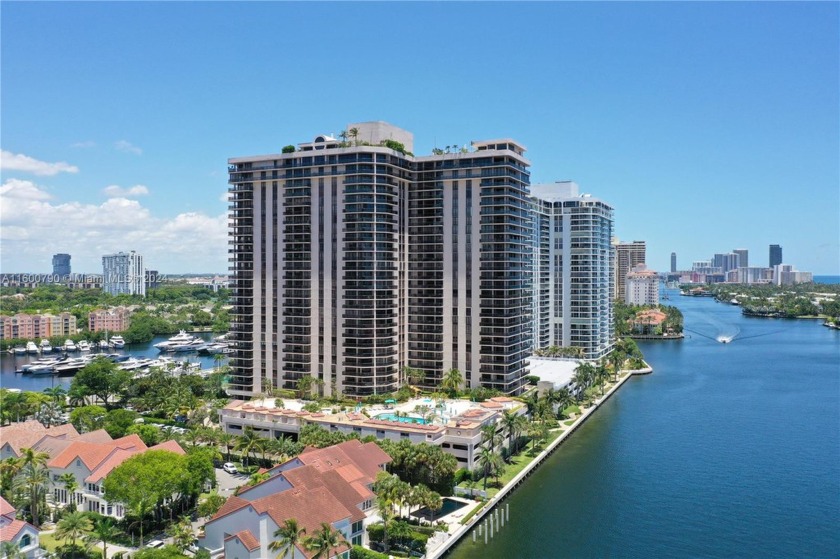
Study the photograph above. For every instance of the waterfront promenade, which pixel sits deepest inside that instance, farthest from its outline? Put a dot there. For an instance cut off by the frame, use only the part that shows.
(462, 530)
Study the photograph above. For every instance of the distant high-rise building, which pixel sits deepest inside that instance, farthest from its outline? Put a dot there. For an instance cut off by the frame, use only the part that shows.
(123, 273)
(627, 255)
(743, 257)
(573, 270)
(673, 262)
(642, 286)
(61, 264)
(152, 279)
(775, 255)
(726, 262)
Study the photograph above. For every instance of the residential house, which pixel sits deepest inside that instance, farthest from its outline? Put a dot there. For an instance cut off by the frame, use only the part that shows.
(330, 485)
(23, 534)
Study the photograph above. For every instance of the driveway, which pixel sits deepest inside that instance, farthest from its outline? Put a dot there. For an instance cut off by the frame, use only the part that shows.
(227, 483)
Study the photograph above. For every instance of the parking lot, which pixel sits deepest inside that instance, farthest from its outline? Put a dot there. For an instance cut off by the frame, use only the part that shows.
(226, 482)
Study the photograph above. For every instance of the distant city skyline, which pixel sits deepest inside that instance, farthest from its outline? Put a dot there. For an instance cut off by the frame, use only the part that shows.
(702, 132)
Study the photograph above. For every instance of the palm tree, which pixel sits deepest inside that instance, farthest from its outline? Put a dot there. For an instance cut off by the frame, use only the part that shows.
(354, 133)
(34, 481)
(227, 440)
(489, 436)
(324, 541)
(58, 395)
(286, 538)
(583, 376)
(414, 376)
(386, 512)
(514, 423)
(104, 530)
(141, 509)
(74, 525)
(32, 457)
(70, 484)
(248, 442)
(451, 381)
(486, 460)
(11, 550)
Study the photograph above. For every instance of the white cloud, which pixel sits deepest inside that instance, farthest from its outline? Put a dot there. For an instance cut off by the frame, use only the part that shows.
(116, 191)
(225, 197)
(128, 147)
(26, 190)
(18, 162)
(33, 224)
(84, 145)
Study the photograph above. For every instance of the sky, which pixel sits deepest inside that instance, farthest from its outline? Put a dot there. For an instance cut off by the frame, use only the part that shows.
(707, 126)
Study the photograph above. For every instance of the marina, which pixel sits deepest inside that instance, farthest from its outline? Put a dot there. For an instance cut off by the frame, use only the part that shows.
(37, 371)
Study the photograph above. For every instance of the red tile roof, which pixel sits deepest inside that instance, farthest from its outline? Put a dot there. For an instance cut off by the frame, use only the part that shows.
(171, 446)
(247, 538)
(6, 509)
(26, 434)
(11, 530)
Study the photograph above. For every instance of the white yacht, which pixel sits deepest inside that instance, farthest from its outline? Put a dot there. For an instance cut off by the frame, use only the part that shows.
(117, 341)
(69, 345)
(84, 345)
(179, 340)
(20, 350)
(31, 347)
(46, 347)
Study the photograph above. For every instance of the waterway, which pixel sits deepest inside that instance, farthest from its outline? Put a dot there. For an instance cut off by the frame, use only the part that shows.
(726, 450)
(9, 363)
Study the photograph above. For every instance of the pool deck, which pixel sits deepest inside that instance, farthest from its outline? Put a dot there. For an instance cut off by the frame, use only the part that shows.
(460, 530)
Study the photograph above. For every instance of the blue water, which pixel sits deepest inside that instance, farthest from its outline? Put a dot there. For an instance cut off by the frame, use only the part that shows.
(401, 419)
(726, 450)
(826, 279)
(9, 363)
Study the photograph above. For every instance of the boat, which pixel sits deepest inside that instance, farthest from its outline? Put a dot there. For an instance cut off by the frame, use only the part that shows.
(42, 362)
(20, 350)
(69, 345)
(117, 341)
(84, 345)
(72, 365)
(31, 347)
(214, 349)
(46, 347)
(104, 344)
(195, 345)
(180, 340)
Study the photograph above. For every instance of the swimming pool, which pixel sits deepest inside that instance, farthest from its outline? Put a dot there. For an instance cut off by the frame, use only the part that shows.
(393, 417)
(448, 507)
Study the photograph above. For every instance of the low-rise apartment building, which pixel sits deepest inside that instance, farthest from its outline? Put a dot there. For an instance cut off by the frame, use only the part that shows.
(456, 427)
(116, 319)
(31, 326)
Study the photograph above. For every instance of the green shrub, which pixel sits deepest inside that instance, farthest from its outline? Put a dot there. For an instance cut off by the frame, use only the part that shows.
(462, 474)
(359, 552)
(472, 513)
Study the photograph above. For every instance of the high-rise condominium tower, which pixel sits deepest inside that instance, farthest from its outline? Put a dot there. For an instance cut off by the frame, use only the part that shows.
(775, 255)
(743, 257)
(352, 260)
(673, 262)
(61, 264)
(627, 255)
(123, 273)
(573, 280)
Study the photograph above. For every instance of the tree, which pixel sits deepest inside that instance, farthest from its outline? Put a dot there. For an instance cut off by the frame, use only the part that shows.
(150, 434)
(489, 436)
(249, 442)
(88, 418)
(304, 385)
(11, 550)
(486, 461)
(386, 512)
(324, 541)
(414, 376)
(183, 534)
(583, 377)
(210, 505)
(103, 379)
(286, 538)
(451, 381)
(33, 479)
(117, 422)
(70, 485)
(514, 424)
(104, 530)
(354, 133)
(227, 440)
(73, 526)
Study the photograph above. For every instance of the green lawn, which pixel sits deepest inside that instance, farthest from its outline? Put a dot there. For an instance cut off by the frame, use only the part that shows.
(517, 464)
(48, 542)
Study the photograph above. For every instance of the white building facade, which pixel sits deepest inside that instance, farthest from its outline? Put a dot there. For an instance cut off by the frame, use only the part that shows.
(124, 273)
(574, 261)
(642, 287)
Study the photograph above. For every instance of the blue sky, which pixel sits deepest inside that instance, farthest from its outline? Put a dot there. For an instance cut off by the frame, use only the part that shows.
(708, 126)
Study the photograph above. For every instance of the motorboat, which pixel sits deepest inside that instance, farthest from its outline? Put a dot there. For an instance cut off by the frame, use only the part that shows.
(180, 340)
(20, 350)
(48, 362)
(46, 347)
(104, 344)
(84, 345)
(195, 345)
(117, 341)
(70, 345)
(31, 347)
(214, 349)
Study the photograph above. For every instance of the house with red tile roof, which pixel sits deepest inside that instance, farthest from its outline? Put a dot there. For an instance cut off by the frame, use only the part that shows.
(331, 485)
(90, 460)
(28, 434)
(23, 534)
